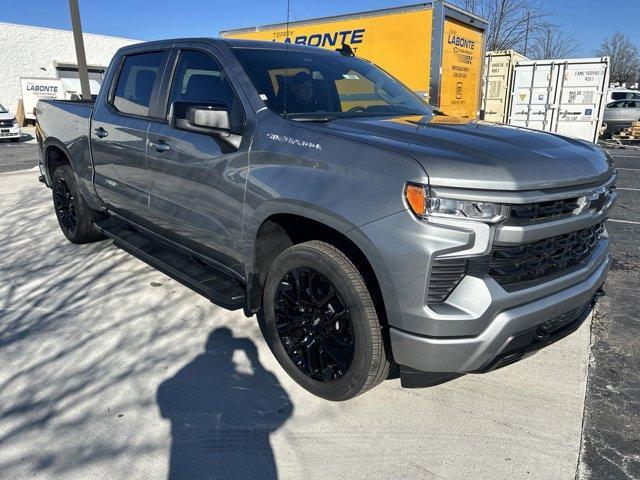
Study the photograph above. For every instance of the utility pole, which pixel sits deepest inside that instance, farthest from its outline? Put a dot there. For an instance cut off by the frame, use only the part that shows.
(80, 55)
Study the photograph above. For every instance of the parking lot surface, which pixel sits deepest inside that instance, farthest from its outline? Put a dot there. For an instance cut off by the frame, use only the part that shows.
(113, 370)
(19, 156)
(611, 443)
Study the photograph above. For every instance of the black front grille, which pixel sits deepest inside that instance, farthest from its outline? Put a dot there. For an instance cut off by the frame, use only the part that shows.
(531, 212)
(516, 267)
(533, 261)
(446, 274)
(6, 123)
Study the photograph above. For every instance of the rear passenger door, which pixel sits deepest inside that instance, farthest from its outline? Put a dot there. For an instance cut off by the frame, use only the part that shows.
(119, 132)
(197, 180)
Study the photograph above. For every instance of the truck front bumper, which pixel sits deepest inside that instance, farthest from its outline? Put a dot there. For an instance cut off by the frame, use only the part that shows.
(481, 325)
(512, 335)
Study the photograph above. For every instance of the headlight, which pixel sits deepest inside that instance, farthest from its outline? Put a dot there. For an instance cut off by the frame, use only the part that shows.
(424, 204)
(15, 122)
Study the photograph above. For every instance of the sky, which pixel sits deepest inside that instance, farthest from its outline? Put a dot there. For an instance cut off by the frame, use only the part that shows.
(589, 21)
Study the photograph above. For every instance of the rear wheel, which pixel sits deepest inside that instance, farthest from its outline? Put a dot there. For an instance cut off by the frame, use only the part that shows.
(321, 323)
(75, 217)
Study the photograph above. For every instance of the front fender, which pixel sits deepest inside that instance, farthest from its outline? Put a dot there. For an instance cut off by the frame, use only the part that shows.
(280, 206)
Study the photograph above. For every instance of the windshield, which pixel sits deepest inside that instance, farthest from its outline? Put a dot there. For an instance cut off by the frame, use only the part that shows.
(300, 84)
(2, 109)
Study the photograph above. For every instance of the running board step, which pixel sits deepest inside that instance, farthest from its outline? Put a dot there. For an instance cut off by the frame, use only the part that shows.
(203, 278)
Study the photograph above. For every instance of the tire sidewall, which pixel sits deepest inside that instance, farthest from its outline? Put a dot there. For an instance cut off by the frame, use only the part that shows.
(66, 174)
(354, 379)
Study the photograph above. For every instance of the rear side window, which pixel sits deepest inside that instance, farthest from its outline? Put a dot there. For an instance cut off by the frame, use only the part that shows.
(618, 95)
(135, 83)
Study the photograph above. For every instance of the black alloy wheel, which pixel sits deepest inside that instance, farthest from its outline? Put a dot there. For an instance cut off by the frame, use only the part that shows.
(314, 324)
(321, 323)
(63, 201)
(75, 217)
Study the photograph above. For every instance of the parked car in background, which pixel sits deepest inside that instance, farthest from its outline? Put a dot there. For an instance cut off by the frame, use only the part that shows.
(9, 128)
(619, 115)
(622, 94)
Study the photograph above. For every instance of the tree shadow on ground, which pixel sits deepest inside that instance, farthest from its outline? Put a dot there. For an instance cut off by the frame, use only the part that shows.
(86, 332)
(222, 413)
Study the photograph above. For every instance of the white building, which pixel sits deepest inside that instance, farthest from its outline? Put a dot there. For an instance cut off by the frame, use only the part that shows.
(27, 51)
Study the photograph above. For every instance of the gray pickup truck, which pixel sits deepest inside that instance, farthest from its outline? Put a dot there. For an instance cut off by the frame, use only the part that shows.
(368, 232)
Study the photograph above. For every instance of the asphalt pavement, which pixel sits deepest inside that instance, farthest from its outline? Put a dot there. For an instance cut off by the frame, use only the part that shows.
(113, 370)
(19, 156)
(611, 438)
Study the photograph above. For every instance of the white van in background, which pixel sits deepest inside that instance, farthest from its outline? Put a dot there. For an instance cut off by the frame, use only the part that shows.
(9, 128)
(620, 93)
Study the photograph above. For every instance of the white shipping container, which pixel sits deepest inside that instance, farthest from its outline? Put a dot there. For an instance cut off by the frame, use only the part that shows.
(496, 86)
(561, 96)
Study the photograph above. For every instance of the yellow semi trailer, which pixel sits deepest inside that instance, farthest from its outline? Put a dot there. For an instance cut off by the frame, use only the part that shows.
(435, 48)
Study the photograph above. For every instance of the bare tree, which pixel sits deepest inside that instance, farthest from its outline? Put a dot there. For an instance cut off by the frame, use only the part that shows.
(553, 44)
(522, 25)
(512, 23)
(625, 57)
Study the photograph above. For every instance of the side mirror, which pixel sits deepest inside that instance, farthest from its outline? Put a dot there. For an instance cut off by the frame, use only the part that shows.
(211, 118)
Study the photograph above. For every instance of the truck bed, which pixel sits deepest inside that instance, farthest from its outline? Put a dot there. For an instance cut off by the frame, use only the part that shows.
(69, 123)
(64, 119)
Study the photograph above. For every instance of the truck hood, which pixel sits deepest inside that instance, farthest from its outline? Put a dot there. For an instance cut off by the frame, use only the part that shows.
(6, 116)
(481, 155)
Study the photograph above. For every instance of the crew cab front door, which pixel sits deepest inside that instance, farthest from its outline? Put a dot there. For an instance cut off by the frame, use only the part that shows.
(119, 132)
(197, 180)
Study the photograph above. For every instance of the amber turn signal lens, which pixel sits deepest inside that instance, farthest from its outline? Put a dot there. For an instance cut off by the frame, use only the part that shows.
(415, 196)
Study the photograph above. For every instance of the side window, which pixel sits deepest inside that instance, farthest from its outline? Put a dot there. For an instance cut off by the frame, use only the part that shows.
(199, 78)
(135, 83)
(618, 95)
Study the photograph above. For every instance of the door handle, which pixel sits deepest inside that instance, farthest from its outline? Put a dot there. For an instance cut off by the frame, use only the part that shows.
(100, 132)
(160, 147)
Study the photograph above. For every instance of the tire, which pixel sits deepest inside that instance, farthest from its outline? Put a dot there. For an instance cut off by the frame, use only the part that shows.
(75, 218)
(334, 349)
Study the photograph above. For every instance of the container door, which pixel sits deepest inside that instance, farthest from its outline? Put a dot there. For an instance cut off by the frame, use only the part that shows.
(533, 101)
(496, 87)
(580, 101)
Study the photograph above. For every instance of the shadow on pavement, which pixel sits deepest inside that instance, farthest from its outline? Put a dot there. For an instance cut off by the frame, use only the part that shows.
(222, 414)
(81, 362)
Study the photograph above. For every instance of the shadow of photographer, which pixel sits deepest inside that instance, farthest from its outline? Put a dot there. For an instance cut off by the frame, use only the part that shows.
(222, 415)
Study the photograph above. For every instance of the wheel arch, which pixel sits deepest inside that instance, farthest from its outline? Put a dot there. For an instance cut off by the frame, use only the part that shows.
(54, 155)
(279, 231)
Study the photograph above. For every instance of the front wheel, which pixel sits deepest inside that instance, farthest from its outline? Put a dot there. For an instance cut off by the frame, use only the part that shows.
(75, 217)
(321, 323)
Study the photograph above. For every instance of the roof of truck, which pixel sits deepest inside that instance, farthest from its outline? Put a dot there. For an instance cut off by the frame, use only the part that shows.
(229, 42)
